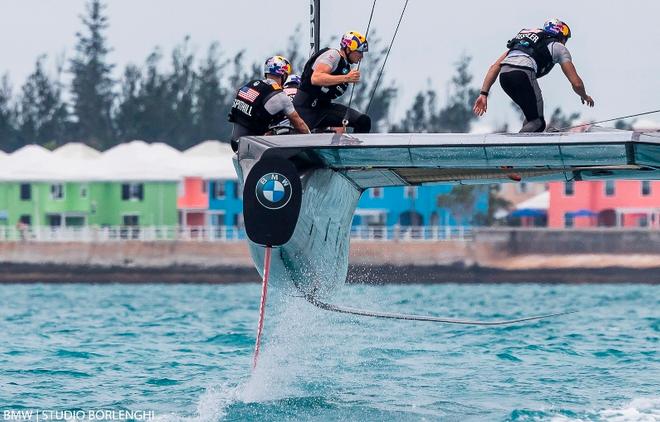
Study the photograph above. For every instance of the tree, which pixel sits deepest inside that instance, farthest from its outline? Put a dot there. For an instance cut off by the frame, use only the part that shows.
(8, 136)
(180, 97)
(297, 51)
(559, 120)
(455, 116)
(460, 201)
(43, 116)
(495, 203)
(130, 110)
(212, 98)
(623, 125)
(416, 118)
(92, 86)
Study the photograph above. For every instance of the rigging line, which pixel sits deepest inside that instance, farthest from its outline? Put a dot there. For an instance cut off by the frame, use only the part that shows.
(391, 315)
(373, 7)
(344, 121)
(563, 164)
(609, 120)
(382, 68)
(649, 134)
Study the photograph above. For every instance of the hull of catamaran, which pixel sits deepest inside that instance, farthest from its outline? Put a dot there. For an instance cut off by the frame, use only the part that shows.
(321, 177)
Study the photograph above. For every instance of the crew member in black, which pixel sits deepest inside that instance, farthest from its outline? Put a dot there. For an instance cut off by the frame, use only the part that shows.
(326, 77)
(531, 55)
(260, 103)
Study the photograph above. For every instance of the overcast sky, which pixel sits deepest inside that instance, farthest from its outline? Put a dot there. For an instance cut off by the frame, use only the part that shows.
(614, 47)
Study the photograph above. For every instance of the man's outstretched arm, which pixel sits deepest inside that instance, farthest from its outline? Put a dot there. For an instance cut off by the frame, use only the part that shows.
(481, 104)
(576, 82)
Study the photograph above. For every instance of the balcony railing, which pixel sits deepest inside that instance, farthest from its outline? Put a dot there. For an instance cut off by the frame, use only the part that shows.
(212, 233)
(123, 233)
(421, 233)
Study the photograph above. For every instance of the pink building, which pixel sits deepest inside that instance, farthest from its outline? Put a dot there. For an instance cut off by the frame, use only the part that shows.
(192, 201)
(611, 203)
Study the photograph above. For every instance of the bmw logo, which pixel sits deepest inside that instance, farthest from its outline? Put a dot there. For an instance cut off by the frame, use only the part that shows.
(273, 191)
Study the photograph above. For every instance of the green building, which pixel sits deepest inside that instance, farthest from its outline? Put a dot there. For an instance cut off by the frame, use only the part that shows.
(73, 186)
(88, 203)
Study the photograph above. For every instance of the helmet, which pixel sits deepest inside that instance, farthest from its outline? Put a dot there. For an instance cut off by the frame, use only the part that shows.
(354, 41)
(277, 65)
(557, 27)
(292, 80)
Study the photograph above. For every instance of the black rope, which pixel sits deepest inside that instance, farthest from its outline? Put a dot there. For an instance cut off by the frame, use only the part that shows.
(350, 100)
(371, 16)
(627, 130)
(408, 317)
(380, 74)
(609, 120)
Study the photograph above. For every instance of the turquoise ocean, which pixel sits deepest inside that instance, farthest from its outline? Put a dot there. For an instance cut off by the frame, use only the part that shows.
(183, 353)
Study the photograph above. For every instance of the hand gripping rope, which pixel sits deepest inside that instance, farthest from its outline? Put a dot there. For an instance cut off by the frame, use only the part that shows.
(344, 121)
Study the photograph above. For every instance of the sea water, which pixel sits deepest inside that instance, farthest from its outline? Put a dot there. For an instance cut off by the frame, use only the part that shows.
(184, 353)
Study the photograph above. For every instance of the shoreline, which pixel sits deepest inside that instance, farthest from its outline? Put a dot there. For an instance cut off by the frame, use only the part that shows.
(492, 256)
(358, 274)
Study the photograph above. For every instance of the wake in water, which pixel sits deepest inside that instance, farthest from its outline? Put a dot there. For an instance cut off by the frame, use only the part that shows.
(638, 410)
(298, 341)
(290, 367)
(211, 406)
(322, 365)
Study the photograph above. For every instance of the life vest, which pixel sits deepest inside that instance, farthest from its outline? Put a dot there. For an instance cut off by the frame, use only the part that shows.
(534, 42)
(321, 94)
(248, 107)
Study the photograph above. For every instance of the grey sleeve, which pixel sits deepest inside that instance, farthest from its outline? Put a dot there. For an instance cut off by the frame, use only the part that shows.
(560, 53)
(330, 57)
(279, 102)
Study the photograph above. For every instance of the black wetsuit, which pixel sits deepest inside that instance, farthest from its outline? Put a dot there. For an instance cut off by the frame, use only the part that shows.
(521, 85)
(520, 82)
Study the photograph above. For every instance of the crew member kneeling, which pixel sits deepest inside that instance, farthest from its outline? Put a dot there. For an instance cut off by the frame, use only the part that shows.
(260, 103)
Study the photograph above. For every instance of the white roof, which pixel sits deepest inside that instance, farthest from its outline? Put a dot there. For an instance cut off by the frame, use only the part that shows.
(29, 152)
(76, 150)
(538, 202)
(210, 160)
(209, 148)
(131, 161)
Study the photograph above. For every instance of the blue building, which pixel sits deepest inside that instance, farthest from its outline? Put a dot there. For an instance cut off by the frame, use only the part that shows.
(225, 203)
(401, 205)
(412, 206)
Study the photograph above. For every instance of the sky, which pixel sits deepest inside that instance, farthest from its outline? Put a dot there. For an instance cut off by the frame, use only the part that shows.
(614, 44)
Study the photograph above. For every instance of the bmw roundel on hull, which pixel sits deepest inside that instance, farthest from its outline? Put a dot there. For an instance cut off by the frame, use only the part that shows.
(271, 201)
(273, 191)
